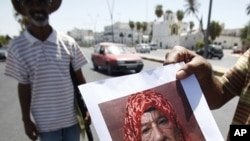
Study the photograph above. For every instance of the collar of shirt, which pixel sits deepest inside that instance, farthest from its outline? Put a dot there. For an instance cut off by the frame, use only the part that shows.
(51, 39)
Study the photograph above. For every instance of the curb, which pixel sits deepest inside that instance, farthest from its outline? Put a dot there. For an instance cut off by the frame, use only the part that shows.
(217, 70)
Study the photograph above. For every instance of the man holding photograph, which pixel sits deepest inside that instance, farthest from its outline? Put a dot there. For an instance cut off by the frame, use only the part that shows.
(217, 91)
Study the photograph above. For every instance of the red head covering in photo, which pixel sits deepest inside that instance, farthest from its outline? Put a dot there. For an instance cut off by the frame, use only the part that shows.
(137, 104)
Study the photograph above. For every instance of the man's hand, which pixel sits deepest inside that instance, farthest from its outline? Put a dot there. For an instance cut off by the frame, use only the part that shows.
(194, 63)
(31, 130)
(87, 119)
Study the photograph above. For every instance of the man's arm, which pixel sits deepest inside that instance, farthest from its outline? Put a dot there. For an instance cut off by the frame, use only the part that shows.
(24, 93)
(79, 76)
(81, 80)
(216, 94)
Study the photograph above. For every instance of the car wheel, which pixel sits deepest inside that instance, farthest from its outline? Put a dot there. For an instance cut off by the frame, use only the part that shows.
(137, 70)
(95, 66)
(109, 69)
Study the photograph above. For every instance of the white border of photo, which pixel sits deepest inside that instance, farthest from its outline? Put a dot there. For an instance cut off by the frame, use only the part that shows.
(101, 91)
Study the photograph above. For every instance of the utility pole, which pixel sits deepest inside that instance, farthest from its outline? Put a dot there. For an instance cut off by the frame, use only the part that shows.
(208, 29)
(94, 20)
(111, 10)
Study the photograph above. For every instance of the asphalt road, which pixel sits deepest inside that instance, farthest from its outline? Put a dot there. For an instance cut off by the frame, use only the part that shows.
(11, 128)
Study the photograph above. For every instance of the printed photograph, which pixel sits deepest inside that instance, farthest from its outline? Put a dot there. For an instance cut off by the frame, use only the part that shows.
(159, 113)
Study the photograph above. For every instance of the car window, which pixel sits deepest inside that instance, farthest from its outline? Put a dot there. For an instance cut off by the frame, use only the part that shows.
(97, 48)
(117, 50)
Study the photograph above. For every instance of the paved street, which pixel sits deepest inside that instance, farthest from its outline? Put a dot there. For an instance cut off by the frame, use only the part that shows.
(10, 119)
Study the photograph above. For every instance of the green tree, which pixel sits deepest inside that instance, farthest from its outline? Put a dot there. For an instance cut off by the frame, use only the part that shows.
(245, 37)
(144, 26)
(191, 25)
(215, 30)
(132, 26)
(199, 44)
(138, 28)
(158, 11)
(180, 15)
(22, 20)
(4, 40)
(243, 32)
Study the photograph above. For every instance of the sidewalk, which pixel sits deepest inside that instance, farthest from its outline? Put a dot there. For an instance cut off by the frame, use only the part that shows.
(218, 70)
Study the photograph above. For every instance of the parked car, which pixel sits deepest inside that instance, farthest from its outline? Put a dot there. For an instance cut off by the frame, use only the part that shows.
(237, 49)
(153, 46)
(115, 57)
(213, 51)
(3, 54)
(142, 48)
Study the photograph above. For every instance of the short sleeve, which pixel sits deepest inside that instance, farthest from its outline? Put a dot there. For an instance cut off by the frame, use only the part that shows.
(79, 59)
(15, 69)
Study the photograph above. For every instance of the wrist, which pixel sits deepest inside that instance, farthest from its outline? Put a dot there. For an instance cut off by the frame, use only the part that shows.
(26, 119)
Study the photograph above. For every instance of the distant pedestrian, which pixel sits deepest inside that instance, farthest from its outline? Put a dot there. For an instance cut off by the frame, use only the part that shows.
(39, 60)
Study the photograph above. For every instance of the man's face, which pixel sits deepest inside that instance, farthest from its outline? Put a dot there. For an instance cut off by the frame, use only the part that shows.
(37, 11)
(155, 126)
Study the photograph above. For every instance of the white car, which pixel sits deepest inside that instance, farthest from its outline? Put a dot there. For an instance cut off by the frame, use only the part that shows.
(142, 48)
(153, 46)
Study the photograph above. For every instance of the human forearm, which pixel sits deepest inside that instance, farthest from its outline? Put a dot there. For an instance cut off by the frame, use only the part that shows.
(24, 93)
(80, 78)
(216, 94)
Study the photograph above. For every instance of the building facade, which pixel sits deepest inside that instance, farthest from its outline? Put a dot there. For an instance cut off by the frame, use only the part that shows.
(124, 34)
(165, 34)
(83, 37)
(171, 32)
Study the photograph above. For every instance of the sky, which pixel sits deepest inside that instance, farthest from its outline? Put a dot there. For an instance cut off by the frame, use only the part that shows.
(95, 14)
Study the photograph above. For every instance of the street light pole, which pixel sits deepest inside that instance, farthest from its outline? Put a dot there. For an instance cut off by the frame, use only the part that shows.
(94, 21)
(208, 29)
(111, 10)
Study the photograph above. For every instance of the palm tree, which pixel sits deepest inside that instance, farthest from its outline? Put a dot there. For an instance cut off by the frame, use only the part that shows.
(192, 7)
(158, 11)
(180, 15)
(248, 9)
(191, 25)
(138, 28)
(132, 26)
(144, 26)
(248, 13)
(215, 30)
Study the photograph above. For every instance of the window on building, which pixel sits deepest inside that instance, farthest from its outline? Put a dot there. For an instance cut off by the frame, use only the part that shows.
(174, 29)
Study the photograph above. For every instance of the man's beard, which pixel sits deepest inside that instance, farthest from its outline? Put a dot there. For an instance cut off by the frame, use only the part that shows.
(40, 23)
(39, 18)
